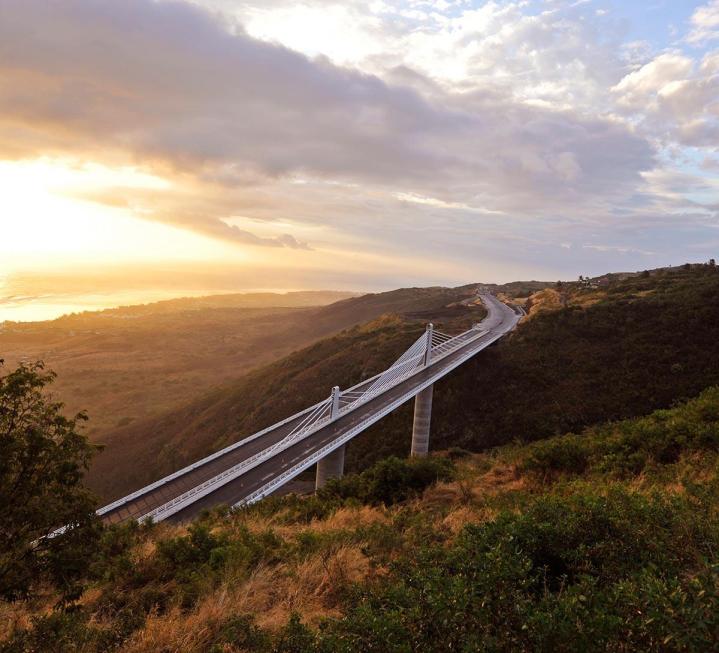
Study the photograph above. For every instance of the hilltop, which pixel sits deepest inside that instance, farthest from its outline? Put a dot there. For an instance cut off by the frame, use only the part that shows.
(640, 343)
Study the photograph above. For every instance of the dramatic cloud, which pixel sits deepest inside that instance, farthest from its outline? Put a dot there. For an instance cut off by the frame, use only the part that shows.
(166, 82)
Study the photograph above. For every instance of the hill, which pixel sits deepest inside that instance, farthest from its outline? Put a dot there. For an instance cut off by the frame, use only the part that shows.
(132, 362)
(603, 540)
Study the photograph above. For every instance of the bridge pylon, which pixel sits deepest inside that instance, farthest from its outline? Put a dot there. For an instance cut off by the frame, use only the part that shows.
(428, 346)
(333, 464)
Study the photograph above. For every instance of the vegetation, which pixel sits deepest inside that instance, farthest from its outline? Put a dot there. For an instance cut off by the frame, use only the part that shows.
(42, 459)
(633, 446)
(576, 534)
(517, 549)
(389, 481)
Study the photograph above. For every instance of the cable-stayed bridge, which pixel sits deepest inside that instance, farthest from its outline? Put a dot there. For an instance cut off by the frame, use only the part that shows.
(258, 465)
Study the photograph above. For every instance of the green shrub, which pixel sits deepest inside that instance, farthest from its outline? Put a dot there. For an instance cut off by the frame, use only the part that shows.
(59, 632)
(389, 481)
(295, 637)
(241, 633)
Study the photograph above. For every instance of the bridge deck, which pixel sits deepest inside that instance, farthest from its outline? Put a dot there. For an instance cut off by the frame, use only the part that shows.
(499, 321)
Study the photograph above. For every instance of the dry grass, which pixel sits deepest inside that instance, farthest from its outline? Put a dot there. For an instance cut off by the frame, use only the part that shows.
(545, 300)
(346, 518)
(313, 584)
(14, 616)
(457, 519)
(472, 486)
(585, 300)
(310, 588)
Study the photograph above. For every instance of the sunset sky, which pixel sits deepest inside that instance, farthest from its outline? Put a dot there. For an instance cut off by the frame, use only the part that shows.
(156, 148)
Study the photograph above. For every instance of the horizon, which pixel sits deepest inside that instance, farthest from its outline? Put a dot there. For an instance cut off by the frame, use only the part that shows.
(160, 149)
(35, 309)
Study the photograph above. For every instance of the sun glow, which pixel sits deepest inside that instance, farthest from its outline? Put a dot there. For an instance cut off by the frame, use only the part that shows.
(41, 222)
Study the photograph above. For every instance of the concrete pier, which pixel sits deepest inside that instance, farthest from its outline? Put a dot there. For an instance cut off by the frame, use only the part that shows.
(331, 466)
(422, 419)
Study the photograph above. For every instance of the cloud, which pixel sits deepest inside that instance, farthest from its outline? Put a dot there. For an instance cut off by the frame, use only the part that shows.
(675, 97)
(705, 23)
(653, 80)
(166, 83)
(194, 210)
(448, 132)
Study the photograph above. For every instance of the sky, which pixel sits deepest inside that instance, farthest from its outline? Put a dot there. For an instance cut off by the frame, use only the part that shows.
(152, 148)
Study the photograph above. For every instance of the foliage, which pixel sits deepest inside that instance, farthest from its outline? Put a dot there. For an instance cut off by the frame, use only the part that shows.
(43, 457)
(588, 572)
(389, 481)
(571, 561)
(630, 446)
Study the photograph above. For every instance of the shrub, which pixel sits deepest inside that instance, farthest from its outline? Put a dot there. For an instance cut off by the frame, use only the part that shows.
(389, 481)
(241, 633)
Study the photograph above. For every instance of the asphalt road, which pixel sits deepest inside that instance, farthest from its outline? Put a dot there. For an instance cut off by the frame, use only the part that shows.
(500, 320)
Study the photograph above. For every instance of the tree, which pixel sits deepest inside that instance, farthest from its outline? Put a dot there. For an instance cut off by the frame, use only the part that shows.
(43, 457)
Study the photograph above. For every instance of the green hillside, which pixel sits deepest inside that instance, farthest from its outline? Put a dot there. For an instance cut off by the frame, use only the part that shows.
(605, 540)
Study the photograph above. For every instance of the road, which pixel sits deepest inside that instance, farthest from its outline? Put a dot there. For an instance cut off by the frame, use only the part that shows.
(269, 474)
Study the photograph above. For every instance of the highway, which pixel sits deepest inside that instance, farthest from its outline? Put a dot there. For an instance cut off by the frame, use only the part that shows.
(185, 493)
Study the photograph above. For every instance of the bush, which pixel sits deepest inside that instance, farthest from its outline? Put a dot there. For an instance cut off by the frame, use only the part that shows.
(389, 481)
(241, 633)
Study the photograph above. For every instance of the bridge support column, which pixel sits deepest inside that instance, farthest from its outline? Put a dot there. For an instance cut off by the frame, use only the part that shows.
(422, 419)
(331, 466)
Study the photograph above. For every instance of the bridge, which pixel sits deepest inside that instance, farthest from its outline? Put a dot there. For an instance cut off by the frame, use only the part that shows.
(258, 465)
